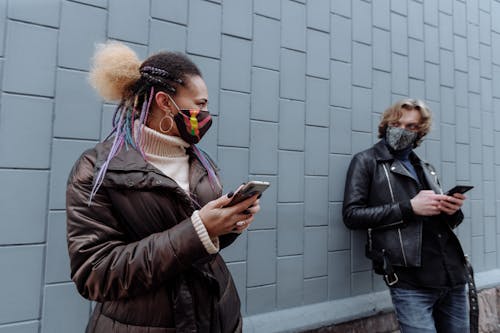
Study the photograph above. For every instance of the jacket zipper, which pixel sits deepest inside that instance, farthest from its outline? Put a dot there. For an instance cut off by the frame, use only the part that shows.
(388, 181)
(385, 226)
(402, 247)
(437, 182)
(370, 243)
(392, 194)
(399, 229)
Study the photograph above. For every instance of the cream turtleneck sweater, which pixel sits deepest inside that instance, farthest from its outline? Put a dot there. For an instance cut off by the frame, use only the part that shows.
(168, 154)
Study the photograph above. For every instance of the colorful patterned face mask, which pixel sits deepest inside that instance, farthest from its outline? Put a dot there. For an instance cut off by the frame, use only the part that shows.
(192, 124)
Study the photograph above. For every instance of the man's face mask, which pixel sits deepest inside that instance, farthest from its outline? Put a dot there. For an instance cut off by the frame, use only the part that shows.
(192, 124)
(400, 138)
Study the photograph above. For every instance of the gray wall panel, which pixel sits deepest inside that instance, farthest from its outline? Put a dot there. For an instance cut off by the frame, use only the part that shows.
(237, 18)
(21, 74)
(20, 286)
(166, 36)
(268, 8)
(24, 206)
(318, 14)
(431, 12)
(293, 25)
(290, 284)
(32, 143)
(381, 14)
(64, 309)
(170, 10)
(81, 27)
(266, 42)
(340, 39)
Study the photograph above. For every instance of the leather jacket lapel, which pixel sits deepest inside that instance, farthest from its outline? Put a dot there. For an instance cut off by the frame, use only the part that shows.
(383, 154)
(399, 168)
(431, 178)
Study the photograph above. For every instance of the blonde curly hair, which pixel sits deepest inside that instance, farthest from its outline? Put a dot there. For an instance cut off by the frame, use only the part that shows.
(115, 69)
(395, 111)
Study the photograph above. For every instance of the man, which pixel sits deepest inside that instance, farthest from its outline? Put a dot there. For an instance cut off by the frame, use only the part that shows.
(397, 198)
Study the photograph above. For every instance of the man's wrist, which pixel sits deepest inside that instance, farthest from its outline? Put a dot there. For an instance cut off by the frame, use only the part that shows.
(407, 210)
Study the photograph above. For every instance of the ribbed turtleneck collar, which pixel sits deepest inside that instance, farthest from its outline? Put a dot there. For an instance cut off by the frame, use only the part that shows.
(158, 144)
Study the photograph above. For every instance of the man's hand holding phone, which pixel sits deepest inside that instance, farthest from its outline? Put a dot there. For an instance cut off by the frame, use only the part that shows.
(452, 203)
(428, 203)
(455, 199)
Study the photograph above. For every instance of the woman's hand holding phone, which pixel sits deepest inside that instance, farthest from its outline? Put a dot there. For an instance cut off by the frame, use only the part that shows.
(220, 219)
(247, 190)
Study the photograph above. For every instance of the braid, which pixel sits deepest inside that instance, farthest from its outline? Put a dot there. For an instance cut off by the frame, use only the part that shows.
(158, 72)
(166, 71)
(158, 81)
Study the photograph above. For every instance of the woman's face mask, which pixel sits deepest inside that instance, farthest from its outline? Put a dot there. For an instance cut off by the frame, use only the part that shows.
(400, 138)
(192, 124)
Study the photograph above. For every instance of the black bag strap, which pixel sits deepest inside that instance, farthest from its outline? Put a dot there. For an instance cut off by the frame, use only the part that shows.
(390, 277)
(473, 303)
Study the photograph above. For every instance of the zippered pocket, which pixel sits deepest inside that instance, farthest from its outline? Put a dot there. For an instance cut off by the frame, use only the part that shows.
(402, 247)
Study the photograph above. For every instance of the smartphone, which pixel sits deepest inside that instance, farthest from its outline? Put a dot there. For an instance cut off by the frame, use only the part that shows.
(459, 189)
(249, 189)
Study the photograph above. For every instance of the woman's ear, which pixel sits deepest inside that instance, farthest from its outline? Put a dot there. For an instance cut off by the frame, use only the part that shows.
(163, 101)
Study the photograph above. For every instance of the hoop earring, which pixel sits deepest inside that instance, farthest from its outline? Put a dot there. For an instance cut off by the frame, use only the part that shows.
(167, 116)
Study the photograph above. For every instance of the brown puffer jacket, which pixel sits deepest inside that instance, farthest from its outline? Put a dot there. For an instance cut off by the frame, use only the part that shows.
(135, 251)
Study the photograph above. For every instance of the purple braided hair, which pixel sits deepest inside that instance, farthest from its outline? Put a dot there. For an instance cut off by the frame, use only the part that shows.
(123, 129)
(212, 177)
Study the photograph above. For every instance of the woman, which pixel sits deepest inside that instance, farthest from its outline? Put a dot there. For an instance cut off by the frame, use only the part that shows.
(145, 215)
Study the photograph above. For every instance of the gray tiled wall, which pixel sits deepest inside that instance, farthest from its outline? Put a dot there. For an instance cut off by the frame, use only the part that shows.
(296, 88)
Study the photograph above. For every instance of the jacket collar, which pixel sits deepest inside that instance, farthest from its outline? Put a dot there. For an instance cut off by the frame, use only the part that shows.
(130, 168)
(127, 159)
(382, 154)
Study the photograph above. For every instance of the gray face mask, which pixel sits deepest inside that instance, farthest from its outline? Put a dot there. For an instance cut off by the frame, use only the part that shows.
(400, 138)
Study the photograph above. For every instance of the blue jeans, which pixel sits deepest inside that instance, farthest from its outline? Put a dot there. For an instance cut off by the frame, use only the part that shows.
(431, 311)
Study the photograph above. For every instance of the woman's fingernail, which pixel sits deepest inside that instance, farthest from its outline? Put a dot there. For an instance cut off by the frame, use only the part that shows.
(230, 194)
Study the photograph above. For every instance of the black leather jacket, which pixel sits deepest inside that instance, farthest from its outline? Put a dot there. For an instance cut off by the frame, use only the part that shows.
(377, 198)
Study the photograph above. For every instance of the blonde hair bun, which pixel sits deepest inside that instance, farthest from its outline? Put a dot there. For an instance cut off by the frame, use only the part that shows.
(115, 68)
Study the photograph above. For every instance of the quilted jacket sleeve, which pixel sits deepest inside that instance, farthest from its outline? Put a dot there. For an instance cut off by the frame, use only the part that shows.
(104, 265)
